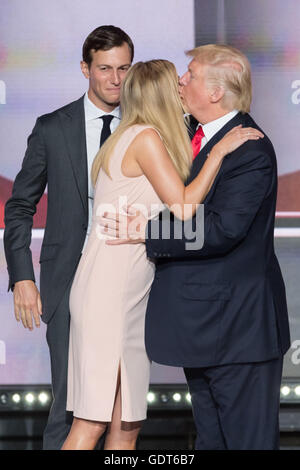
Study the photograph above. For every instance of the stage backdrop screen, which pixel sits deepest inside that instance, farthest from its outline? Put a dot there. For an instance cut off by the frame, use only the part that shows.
(40, 51)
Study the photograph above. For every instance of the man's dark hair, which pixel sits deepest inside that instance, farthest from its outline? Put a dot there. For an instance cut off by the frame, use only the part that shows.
(105, 38)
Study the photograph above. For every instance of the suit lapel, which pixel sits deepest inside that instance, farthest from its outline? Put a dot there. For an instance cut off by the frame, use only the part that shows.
(201, 157)
(73, 127)
(192, 126)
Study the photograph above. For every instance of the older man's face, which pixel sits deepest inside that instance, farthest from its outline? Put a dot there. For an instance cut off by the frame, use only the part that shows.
(194, 92)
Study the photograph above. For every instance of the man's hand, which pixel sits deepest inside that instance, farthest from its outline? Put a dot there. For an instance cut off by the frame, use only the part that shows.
(126, 228)
(27, 303)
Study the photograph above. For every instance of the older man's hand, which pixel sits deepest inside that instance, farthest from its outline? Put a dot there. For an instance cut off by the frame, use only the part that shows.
(128, 227)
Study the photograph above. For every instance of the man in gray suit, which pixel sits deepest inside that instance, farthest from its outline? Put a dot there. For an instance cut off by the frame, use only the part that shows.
(60, 152)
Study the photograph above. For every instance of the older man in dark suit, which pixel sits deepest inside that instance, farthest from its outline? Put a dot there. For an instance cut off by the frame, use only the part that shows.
(219, 311)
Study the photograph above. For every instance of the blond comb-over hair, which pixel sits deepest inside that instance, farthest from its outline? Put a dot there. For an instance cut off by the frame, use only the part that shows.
(229, 68)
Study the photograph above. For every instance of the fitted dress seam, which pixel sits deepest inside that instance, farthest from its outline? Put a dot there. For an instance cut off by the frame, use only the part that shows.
(129, 265)
(120, 357)
(121, 345)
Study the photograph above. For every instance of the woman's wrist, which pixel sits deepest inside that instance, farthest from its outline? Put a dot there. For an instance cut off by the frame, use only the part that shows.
(216, 153)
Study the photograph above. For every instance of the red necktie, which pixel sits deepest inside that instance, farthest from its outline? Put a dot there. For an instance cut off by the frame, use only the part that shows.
(196, 141)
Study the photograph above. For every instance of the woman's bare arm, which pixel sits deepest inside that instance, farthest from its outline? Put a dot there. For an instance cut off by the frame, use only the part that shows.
(152, 157)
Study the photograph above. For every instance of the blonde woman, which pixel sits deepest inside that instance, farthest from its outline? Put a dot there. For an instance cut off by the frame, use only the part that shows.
(109, 369)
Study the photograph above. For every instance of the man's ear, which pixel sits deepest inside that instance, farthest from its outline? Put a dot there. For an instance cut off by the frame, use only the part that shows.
(85, 69)
(216, 94)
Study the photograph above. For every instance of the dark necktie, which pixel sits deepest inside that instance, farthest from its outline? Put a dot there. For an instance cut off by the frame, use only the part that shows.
(105, 133)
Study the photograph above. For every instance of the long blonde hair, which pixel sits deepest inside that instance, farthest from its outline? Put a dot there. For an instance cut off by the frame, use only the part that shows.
(150, 96)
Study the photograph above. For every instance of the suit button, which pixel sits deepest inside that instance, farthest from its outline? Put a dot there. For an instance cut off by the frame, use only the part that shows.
(84, 227)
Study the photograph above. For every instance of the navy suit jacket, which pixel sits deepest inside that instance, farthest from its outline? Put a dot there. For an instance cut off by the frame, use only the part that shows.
(224, 303)
(56, 157)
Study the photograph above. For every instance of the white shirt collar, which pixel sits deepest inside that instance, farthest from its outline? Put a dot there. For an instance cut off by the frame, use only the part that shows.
(93, 112)
(211, 128)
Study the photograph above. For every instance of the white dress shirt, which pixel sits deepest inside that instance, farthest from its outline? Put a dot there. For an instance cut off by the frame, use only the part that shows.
(93, 128)
(211, 128)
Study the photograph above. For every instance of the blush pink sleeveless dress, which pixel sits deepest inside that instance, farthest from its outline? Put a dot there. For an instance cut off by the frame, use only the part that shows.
(108, 302)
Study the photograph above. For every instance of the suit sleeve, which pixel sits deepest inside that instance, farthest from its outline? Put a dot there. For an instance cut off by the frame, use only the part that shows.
(28, 188)
(227, 218)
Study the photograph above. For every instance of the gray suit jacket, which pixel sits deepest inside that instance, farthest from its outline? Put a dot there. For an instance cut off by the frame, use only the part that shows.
(55, 156)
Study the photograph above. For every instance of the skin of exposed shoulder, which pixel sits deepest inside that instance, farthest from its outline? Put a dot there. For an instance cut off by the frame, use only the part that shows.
(147, 149)
(151, 155)
(145, 153)
(148, 141)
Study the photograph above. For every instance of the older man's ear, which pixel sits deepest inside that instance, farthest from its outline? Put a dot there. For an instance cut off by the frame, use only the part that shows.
(216, 94)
